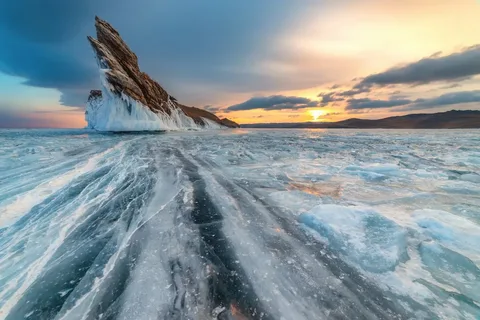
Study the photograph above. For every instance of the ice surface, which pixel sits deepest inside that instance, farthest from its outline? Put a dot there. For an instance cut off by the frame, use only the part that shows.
(375, 171)
(450, 230)
(451, 268)
(255, 224)
(363, 236)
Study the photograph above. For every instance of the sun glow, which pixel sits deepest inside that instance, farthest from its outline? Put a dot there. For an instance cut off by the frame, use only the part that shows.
(316, 114)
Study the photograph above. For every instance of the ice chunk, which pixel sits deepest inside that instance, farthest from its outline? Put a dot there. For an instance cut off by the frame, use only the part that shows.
(295, 200)
(452, 231)
(471, 177)
(374, 172)
(469, 211)
(461, 188)
(463, 307)
(362, 235)
(451, 268)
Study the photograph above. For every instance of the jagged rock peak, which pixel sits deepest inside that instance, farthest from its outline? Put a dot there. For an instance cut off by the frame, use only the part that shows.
(121, 75)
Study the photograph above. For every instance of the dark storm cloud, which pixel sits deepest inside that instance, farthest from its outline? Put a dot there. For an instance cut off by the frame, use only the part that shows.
(46, 21)
(457, 66)
(41, 43)
(277, 102)
(179, 43)
(355, 104)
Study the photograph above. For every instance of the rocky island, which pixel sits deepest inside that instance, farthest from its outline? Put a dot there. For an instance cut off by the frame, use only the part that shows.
(130, 100)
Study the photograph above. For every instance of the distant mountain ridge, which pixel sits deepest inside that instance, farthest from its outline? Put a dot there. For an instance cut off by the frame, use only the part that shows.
(454, 119)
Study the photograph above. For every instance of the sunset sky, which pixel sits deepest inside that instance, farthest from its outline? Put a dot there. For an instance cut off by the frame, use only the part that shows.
(251, 61)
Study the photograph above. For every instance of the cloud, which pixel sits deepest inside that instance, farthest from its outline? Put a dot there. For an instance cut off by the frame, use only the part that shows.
(456, 66)
(329, 97)
(47, 21)
(451, 86)
(277, 102)
(436, 54)
(445, 100)
(337, 96)
(354, 91)
(211, 108)
(355, 104)
(45, 43)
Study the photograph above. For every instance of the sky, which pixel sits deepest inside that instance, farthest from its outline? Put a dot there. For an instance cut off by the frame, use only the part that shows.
(251, 61)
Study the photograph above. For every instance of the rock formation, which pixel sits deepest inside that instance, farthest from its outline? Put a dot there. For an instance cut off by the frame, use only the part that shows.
(130, 99)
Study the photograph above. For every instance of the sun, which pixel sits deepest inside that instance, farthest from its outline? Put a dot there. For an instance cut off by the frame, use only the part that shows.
(316, 114)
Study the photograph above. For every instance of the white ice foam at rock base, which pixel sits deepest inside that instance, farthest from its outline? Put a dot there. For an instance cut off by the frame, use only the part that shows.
(122, 113)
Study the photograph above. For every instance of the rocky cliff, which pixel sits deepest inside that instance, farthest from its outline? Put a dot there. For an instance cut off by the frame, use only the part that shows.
(130, 99)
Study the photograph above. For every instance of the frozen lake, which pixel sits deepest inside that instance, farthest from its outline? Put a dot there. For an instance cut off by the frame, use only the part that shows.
(240, 224)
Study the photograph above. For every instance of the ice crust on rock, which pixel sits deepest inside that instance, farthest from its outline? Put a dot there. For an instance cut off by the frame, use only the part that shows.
(130, 100)
(118, 114)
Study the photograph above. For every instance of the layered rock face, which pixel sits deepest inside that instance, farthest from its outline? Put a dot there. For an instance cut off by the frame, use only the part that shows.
(132, 101)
